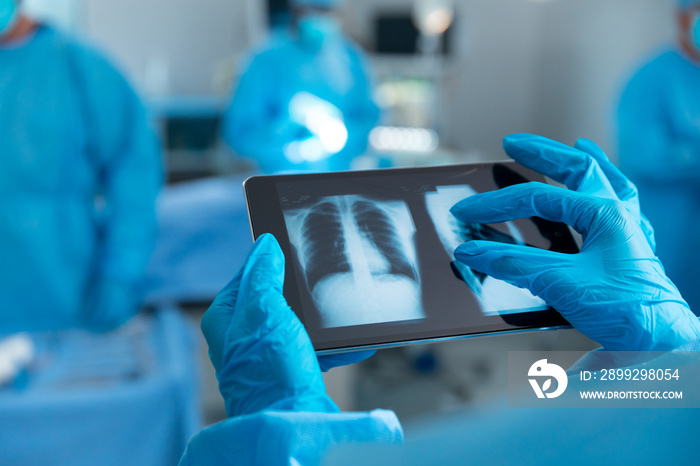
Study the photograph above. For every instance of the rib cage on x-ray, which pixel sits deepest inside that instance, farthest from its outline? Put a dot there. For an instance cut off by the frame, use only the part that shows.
(323, 243)
(358, 259)
(376, 225)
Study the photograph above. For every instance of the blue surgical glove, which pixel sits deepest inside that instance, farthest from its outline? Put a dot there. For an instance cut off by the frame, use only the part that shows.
(614, 290)
(217, 319)
(279, 412)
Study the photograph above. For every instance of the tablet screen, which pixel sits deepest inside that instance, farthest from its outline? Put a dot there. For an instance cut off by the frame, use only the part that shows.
(370, 254)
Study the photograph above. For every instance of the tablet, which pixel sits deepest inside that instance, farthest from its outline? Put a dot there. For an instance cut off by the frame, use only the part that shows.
(369, 254)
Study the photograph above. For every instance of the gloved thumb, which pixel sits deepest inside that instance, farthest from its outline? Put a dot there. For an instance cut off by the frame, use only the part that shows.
(218, 318)
(260, 303)
(515, 264)
(268, 361)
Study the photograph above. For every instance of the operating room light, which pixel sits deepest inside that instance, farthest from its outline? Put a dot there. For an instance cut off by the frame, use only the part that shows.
(433, 17)
(438, 21)
(397, 139)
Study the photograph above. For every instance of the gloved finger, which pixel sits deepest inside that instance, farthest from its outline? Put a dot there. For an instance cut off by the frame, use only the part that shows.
(217, 319)
(648, 231)
(522, 266)
(329, 361)
(625, 190)
(572, 167)
(530, 200)
(268, 360)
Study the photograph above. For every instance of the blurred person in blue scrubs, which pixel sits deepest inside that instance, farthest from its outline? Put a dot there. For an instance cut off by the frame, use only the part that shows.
(659, 139)
(304, 99)
(80, 169)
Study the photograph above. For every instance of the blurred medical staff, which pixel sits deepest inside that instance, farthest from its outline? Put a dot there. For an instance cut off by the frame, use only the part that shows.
(659, 137)
(79, 172)
(304, 99)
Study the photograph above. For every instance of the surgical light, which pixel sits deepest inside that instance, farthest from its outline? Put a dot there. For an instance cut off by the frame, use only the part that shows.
(398, 139)
(433, 17)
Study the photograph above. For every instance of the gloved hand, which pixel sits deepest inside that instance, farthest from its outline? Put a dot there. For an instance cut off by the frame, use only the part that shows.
(614, 290)
(287, 131)
(255, 338)
(110, 304)
(270, 378)
(217, 319)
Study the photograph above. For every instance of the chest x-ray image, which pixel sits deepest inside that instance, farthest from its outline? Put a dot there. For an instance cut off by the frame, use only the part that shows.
(359, 259)
(494, 296)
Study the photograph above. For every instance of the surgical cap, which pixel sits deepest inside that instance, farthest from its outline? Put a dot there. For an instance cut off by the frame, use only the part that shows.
(316, 3)
(684, 4)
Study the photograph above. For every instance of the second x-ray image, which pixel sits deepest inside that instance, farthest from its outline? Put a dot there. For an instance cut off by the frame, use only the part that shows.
(359, 259)
(494, 296)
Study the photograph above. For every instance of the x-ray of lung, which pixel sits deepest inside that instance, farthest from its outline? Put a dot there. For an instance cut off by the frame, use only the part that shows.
(359, 259)
(494, 296)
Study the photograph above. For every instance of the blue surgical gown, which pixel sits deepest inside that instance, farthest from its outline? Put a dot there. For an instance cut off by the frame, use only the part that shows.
(79, 172)
(659, 137)
(257, 122)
